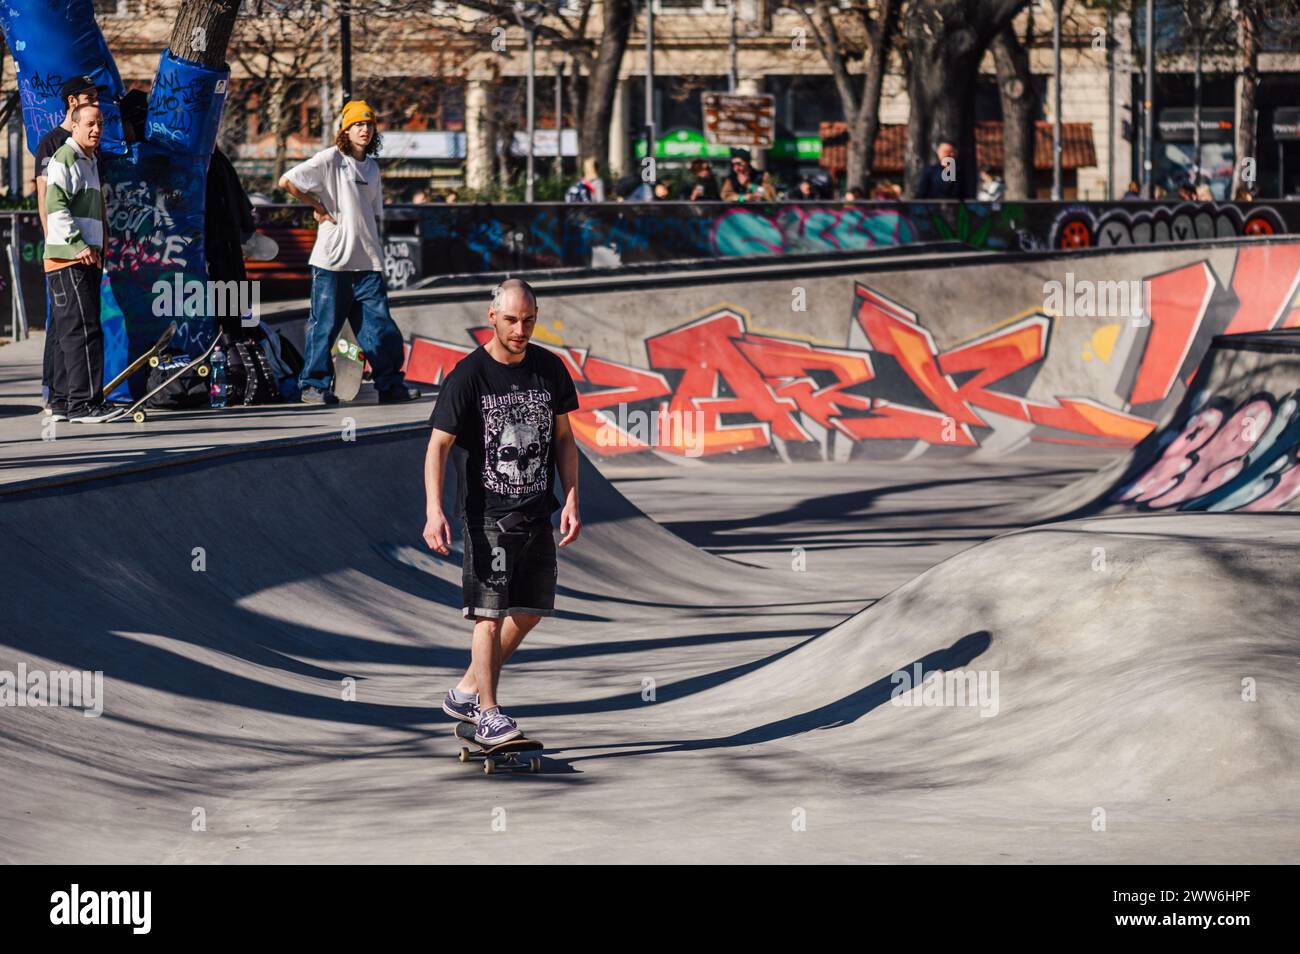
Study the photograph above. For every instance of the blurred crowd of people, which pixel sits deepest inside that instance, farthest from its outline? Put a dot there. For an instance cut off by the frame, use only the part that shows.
(1189, 191)
(744, 182)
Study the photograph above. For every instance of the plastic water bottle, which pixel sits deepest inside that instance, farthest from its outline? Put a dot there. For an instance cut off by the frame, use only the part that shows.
(218, 390)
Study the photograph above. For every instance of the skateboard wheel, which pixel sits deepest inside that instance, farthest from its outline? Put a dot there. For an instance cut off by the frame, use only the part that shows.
(534, 765)
(154, 362)
(203, 370)
(138, 417)
(489, 766)
(464, 754)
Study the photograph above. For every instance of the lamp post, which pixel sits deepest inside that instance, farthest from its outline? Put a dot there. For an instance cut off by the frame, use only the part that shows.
(1056, 100)
(532, 111)
(345, 50)
(1148, 106)
(649, 82)
(559, 120)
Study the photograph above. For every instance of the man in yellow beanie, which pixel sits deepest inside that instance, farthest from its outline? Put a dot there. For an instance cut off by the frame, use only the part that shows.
(342, 185)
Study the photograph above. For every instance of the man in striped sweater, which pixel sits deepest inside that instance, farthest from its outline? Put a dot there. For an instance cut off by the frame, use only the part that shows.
(74, 264)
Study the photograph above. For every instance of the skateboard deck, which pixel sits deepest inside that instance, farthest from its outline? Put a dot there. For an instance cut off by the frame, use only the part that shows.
(506, 757)
(150, 356)
(349, 364)
(137, 412)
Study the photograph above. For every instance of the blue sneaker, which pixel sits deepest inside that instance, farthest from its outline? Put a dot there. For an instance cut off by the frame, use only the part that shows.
(495, 727)
(464, 711)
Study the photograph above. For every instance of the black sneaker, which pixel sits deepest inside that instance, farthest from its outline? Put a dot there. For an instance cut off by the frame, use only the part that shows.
(317, 396)
(56, 414)
(95, 414)
(398, 394)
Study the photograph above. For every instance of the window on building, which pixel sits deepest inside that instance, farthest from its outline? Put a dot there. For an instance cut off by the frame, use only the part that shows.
(697, 7)
(803, 103)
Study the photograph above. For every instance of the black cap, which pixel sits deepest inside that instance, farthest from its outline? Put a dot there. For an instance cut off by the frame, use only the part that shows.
(737, 153)
(78, 84)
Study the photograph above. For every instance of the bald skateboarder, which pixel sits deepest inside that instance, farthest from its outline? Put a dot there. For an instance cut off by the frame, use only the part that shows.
(504, 410)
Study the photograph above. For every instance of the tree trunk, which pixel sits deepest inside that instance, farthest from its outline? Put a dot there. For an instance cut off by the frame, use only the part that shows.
(573, 79)
(201, 31)
(947, 40)
(616, 16)
(279, 114)
(503, 138)
(864, 124)
(946, 53)
(1016, 91)
(1248, 40)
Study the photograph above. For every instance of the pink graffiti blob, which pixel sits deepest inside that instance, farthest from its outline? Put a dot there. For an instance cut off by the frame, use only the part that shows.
(1206, 455)
(1283, 492)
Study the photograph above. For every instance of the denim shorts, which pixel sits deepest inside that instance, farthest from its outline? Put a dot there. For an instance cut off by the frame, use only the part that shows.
(507, 572)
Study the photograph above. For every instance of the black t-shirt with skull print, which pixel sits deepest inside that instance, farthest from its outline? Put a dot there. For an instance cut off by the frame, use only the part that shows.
(503, 416)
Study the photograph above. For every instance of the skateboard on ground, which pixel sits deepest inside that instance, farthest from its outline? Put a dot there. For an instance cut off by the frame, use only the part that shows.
(506, 757)
(199, 365)
(349, 364)
(150, 356)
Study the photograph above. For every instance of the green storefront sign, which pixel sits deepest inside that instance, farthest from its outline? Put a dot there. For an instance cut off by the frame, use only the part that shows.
(690, 144)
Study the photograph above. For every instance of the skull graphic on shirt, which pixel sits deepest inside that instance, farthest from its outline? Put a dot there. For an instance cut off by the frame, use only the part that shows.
(517, 440)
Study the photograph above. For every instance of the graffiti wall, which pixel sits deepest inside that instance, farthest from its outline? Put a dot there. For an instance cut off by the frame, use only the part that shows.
(29, 250)
(464, 239)
(1234, 442)
(1230, 455)
(893, 363)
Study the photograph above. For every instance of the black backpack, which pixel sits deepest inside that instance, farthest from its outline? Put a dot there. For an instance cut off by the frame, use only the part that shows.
(187, 391)
(249, 377)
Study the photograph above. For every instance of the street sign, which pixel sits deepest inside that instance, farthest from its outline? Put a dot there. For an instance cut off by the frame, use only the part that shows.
(731, 119)
(1286, 124)
(1177, 124)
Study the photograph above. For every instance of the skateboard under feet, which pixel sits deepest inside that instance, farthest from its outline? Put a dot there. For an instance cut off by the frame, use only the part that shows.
(507, 757)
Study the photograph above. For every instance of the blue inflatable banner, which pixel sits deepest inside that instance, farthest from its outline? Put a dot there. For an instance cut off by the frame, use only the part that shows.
(185, 106)
(153, 189)
(52, 41)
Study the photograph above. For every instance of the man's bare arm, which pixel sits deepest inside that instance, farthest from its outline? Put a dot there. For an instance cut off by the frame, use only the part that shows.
(566, 462)
(437, 531)
(322, 214)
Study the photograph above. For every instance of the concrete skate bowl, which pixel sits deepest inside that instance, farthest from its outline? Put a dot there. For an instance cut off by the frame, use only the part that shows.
(1146, 666)
(890, 359)
(275, 638)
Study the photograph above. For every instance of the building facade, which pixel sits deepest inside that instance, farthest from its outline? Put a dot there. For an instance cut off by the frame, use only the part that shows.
(451, 89)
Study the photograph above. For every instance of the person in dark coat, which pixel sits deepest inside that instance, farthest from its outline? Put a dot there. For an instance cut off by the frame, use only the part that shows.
(941, 180)
(705, 187)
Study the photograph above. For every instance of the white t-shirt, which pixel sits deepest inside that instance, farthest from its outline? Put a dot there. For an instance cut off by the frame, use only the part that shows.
(352, 193)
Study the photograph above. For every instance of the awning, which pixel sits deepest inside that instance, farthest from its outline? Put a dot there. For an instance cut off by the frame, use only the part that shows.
(1077, 148)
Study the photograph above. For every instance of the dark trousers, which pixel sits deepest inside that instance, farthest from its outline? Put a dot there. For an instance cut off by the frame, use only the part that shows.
(77, 375)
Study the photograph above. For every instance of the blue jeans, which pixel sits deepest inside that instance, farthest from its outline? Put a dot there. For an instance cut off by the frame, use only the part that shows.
(340, 296)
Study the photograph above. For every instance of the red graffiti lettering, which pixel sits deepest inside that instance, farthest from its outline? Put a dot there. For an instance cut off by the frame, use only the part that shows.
(1177, 303)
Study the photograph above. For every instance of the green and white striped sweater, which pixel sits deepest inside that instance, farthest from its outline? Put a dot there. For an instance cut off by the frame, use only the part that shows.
(74, 206)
